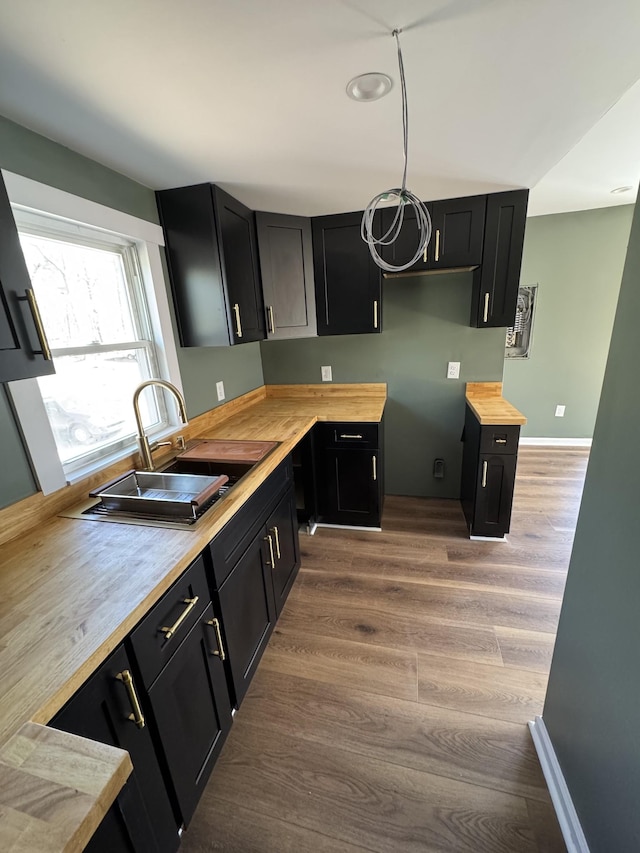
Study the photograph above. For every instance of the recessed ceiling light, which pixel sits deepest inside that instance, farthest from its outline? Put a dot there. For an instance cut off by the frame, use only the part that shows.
(618, 190)
(369, 87)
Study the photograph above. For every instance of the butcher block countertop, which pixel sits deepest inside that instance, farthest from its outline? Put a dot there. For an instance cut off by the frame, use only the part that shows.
(70, 592)
(489, 406)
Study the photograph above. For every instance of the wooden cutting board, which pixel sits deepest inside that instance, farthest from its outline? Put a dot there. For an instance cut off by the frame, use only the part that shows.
(218, 450)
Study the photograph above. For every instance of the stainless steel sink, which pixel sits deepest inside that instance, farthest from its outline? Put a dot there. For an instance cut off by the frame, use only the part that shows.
(160, 494)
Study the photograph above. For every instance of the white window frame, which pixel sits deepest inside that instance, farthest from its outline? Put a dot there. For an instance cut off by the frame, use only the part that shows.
(31, 196)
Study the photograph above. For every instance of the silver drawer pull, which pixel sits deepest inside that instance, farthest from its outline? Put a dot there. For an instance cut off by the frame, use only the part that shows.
(236, 309)
(485, 313)
(484, 474)
(501, 440)
(375, 467)
(345, 435)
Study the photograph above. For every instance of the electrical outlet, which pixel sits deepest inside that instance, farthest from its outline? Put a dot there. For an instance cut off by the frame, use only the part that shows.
(453, 370)
(560, 411)
(220, 390)
(326, 373)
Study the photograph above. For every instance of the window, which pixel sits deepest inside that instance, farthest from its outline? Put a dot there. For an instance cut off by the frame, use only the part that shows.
(108, 329)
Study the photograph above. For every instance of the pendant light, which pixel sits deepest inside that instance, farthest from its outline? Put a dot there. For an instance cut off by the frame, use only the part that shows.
(405, 199)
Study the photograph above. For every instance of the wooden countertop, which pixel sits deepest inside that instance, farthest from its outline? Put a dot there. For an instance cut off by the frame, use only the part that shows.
(71, 590)
(489, 406)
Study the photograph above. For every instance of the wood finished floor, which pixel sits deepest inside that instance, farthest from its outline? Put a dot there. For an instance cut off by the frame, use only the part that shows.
(389, 712)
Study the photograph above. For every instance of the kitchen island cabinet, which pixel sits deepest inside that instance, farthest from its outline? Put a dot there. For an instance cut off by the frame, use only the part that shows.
(491, 434)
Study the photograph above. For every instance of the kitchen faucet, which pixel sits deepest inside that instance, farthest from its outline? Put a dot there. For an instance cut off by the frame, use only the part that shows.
(146, 448)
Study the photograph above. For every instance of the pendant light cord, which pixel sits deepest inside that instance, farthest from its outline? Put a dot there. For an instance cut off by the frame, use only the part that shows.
(405, 198)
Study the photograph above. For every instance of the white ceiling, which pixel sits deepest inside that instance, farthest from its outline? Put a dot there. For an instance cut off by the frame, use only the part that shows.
(250, 94)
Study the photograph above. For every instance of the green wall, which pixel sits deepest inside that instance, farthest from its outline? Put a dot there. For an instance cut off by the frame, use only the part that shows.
(425, 325)
(576, 259)
(26, 153)
(591, 708)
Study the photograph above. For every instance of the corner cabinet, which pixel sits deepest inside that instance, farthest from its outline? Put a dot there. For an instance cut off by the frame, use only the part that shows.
(286, 266)
(23, 348)
(489, 461)
(496, 281)
(349, 473)
(347, 280)
(212, 255)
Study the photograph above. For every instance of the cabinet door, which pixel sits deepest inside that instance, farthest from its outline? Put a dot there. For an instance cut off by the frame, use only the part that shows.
(286, 266)
(494, 495)
(347, 281)
(101, 710)
(192, 711)
(21, 350)
(239, 258)
(248, 613)
(458, 232)
(402, 250)
(349, 487)
(283, 549)
(495, 284)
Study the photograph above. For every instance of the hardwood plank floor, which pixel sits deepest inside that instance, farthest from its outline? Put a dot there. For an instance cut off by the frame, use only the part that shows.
(389, 711)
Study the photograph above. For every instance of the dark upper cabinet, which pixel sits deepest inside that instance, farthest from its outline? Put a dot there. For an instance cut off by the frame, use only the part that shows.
(456, 238)
(23, 348)
(142, 818)
(347, 280)
(286, 266)
(495, 283)
(458, 232)
(212, 255)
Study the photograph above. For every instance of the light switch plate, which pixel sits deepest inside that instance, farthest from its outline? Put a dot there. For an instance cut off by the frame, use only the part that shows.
(453, 370)
(220, 390)
(326, 373)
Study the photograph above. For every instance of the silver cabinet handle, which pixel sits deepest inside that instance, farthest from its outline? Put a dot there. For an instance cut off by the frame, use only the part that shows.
(269, 539)
(271, 322)
(485, 315)
(346, 435)
(375, 313)
(437, 258)
(236, 309)
(484, 474)
(374, 462)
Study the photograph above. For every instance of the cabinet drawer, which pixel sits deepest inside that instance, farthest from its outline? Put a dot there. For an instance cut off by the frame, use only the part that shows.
(348, 435)
(162, 630)
(236, 536)
(499, 439)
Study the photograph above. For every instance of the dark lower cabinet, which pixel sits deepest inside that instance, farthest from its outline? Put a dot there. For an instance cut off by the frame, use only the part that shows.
(488, 476)
(284, 548)
(142, 818)
(349, 474)
(191, 710)
(248, 613)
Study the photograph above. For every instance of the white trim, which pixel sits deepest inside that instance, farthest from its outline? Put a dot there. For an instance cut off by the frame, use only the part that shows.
(555, 442)
(572, 832)
(30, 195)
(41, 198)
(349, 527)
(488, 538)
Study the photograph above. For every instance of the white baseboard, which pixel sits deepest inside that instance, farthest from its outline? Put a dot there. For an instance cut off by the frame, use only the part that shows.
(349, 527)
(560, 796)
(488, 538)
(555, 442)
